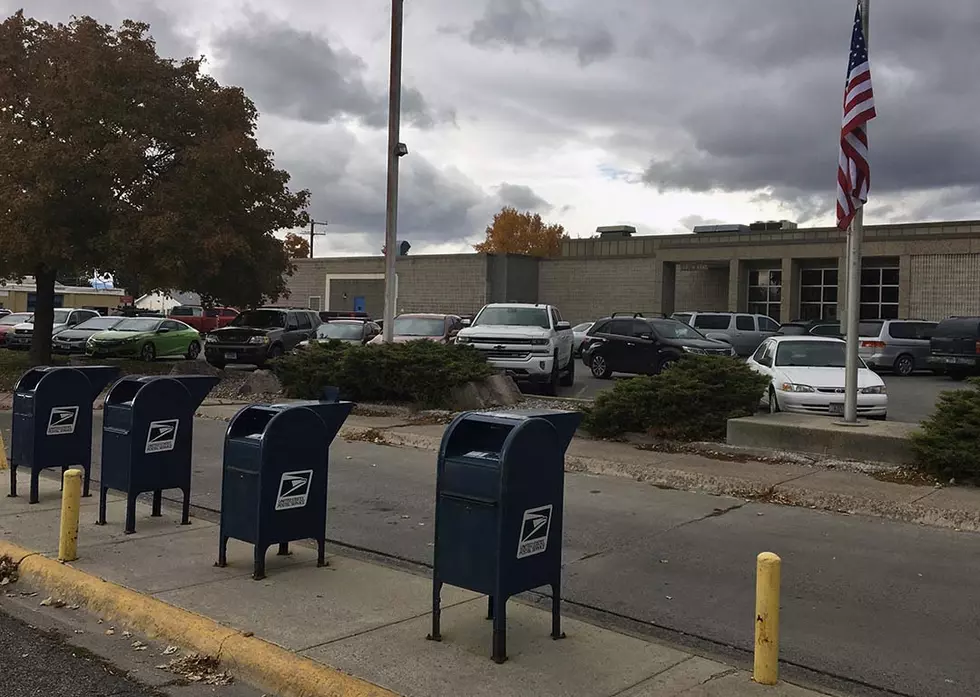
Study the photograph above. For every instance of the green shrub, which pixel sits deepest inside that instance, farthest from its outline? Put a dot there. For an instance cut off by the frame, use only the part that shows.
(948, 443)
(417, 372)
(693, 400)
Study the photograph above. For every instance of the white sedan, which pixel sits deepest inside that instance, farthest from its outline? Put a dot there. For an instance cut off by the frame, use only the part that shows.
(807, 376)
(578, 332)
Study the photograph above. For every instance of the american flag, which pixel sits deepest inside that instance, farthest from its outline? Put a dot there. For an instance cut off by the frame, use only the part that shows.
(853, 170)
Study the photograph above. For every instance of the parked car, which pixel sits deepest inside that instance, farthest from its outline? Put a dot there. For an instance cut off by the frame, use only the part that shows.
(532, 343)
(203, 319)
(259, 335)
(743, 331)
(793, 329)
(416, 326)
(350, 331)
(69, 341)
(831, 329)
(4, 312)
(902, 346)
(807, 376)
(8, 322)
(146, 338)
(643, 346)
(23, 334)
(955, 347)
(327, 315)
(578, 336)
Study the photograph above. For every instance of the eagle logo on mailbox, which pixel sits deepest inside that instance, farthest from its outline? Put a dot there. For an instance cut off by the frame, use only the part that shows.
(161, 436)
(294, 489)
(62, 421)
(534, 531)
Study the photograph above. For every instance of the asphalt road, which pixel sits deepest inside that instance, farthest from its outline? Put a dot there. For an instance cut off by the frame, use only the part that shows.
(884, 604)
(910, 399)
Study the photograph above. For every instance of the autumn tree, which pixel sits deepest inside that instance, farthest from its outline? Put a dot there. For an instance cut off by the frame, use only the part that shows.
(296, 246)
(515, 232)
(115, 159)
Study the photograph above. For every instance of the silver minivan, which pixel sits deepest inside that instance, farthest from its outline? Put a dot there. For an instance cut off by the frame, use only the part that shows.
(899, 345)
(742, 330)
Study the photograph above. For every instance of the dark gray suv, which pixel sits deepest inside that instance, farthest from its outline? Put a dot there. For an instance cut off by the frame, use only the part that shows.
(260, 335)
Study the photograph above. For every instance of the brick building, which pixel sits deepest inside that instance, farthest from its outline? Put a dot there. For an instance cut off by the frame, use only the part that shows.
(925, 270)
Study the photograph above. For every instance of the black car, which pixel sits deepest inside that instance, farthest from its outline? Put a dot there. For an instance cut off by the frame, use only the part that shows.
(349, 331)
(954, 347)
(643, 345)
(257, 336)
(69, 341)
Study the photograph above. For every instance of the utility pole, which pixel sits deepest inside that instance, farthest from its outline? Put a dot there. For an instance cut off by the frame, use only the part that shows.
(313, 224)
(395, 151)
(854, 239)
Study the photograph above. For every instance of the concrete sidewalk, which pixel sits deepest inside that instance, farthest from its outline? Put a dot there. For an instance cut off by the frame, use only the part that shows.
(361, 619)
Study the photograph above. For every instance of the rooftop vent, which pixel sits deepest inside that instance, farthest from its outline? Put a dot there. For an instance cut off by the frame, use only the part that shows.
(610, 232)
(721, 228)
(762, 225)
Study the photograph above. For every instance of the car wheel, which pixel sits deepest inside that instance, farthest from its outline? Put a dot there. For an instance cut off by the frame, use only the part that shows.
(275, 351)
(600, 368)
(665, 364)
(773, 402)
(193, 351)
(550, 388)
(148, 352)
(568, 379)
(904, 365)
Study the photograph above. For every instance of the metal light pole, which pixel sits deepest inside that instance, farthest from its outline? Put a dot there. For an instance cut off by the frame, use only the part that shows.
(395, 151)
(313, 224)
(854, 239)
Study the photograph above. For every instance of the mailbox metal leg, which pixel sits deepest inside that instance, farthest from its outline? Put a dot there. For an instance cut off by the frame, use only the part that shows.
(33, 497)
(13, 482)
(321, 552)
(556, 632)
(489, 607)
(222, 550)
(103, 493)
(499, 654)
(130, 514)
(185, 511)
(157, 511)
(86, 481)
(258, 567)
(283, 549)
(436, 634)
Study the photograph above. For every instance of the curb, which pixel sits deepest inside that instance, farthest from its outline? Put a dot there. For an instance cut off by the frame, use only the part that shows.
(249, 658)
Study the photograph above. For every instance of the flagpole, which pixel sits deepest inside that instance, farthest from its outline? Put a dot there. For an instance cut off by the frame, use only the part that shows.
(854, 239)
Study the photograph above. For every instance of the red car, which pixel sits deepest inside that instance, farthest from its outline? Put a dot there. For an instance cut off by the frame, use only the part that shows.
(7, 323)
(204, 320)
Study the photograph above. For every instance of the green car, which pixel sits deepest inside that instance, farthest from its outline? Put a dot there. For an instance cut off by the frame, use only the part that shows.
(146, 338)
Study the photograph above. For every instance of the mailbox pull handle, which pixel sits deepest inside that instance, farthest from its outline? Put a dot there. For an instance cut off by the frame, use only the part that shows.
(482, 501)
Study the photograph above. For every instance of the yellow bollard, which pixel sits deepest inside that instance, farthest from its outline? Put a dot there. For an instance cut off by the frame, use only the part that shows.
(766, 666)
(3, 454)
(71, 499)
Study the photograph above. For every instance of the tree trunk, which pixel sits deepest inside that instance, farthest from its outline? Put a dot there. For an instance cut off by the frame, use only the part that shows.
(43, 316)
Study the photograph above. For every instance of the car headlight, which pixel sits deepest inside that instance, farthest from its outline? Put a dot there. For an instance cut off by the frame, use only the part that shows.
(875, 389)
(794, 387)
(463, 340)
(539, 342)
(210, 339)
(259, 340)
(692, 349)
(131, 339)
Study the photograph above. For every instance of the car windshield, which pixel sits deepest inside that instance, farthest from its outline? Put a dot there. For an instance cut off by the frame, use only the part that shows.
(99, 323)
(184, 311)
(137, 324)
(60, 316)
(16, 318)
(419, 326)
(340, 330)
(810, 354)
(958, 328)
(514, 317)
(260, 319)
(712, 321)
(672, 329)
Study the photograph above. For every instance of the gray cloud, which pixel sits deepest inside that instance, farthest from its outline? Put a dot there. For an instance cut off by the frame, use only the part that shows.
(301, 75)
(522, 198)
(530, 24)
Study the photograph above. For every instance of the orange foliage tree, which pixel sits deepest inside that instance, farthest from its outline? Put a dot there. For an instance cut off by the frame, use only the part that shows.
(296, 246)
(515, 232)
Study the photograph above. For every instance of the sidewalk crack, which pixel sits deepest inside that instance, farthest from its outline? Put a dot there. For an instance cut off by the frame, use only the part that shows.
(655, 675)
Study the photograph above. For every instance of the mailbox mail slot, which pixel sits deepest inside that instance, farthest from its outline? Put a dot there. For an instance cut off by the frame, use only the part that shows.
(499, 504)
(147, 436)
(52, 424)
(274, 478)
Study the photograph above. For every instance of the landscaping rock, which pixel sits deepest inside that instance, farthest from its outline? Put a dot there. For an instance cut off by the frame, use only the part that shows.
(504, 390)
(495, 391)
(260, 382)
(194, 368)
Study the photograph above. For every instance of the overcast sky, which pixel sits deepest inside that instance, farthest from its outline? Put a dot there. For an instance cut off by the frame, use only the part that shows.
(656, 114)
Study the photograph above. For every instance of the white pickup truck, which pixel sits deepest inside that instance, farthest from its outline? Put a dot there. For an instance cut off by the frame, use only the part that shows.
(531, 343)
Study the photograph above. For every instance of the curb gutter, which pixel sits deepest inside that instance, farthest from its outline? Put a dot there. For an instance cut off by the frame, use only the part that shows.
(249, 658)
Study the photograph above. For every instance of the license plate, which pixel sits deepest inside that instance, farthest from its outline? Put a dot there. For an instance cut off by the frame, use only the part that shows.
(231, 356)
(837, 408)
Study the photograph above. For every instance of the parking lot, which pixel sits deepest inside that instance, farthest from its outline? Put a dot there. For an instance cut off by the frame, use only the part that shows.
(910, 399)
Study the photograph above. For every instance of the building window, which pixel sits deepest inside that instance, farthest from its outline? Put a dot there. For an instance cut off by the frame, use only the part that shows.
(879, 293)
(765, 292)
(818, 294)
(314, 303)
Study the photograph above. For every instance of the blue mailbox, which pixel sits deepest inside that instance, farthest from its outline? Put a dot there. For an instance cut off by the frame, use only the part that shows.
(499, 503)
(52, 423)
(147, 435)
(274, 479)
